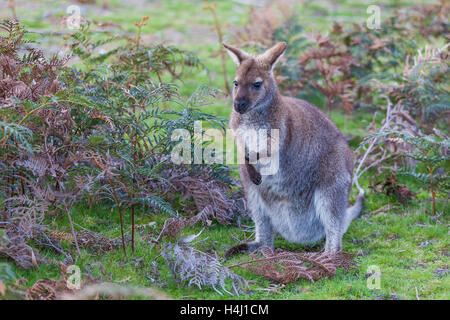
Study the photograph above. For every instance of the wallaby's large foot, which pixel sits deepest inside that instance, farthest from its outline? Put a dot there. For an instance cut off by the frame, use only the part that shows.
(244, 247)
(240, 248)
(332, 251)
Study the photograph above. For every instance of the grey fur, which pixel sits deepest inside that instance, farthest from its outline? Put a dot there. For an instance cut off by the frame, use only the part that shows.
(306, 200)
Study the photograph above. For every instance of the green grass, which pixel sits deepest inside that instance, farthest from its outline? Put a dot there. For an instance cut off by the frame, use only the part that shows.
(389, 240)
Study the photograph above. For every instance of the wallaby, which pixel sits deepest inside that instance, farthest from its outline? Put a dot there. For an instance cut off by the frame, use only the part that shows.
(306, 199)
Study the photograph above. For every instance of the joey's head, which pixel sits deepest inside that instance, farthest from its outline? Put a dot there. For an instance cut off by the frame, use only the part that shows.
(254, 85)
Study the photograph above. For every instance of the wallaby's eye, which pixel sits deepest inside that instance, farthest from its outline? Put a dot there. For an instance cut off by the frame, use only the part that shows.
(257, 85)
(235, 83)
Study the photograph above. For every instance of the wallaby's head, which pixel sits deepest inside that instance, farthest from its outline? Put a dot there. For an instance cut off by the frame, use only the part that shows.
(254, 84)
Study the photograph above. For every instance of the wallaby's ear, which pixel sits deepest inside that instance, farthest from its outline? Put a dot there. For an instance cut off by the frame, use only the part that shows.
(272, 55)
(236, 54)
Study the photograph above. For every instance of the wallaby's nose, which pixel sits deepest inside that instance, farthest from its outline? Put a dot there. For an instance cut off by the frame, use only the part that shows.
(240, 105)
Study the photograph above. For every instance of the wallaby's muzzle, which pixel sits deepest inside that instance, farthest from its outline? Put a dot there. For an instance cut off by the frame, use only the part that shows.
(241, 105)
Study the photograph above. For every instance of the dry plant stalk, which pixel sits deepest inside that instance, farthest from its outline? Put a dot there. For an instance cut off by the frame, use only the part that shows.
(262, 23)
(218, 28)
(375, 152)
(287, 267)
(12, 6)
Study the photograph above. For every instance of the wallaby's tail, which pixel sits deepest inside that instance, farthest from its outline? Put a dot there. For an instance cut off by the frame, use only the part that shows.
(353, 211)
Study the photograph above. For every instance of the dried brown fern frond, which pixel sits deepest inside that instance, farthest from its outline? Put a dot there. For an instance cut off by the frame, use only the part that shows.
(286, 267)
(87, 239)
(89, 289)
(212, 198)
(22, 219)
(14, 245)
(29, 75)
(173, 226)
(430, 19)
(52, 289)
(44, 289)
(388, 183)
(328, 68)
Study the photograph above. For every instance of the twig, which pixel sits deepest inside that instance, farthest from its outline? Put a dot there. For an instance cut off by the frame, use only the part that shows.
(267, 259)
(371, 145)
(74, 234)
(116, 200)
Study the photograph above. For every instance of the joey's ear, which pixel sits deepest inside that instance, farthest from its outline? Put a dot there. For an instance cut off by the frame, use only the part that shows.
(272, 55)
(236, 54)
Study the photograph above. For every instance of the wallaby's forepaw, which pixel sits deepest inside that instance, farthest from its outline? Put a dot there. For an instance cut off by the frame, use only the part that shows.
(240, 248)
(254, 175)
(252, 156)
(256, 178)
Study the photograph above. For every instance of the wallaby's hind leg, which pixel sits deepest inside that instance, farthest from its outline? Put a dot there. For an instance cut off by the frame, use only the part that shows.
(263, 237)
(263, 227)
(263, 233)
(330, 205)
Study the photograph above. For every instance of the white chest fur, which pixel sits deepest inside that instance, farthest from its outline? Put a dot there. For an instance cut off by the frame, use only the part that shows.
(258, 142)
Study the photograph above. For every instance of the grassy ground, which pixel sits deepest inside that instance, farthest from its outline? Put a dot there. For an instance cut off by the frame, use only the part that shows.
(403, 241)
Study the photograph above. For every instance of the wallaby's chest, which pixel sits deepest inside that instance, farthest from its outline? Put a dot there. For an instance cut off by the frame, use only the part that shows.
(249, 133)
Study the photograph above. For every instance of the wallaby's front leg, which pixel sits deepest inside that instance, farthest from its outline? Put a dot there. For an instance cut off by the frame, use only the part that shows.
(254, 175)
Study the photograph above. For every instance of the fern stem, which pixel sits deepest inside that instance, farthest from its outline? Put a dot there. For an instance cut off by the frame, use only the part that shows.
(132, 228)
(74, 234)
(433, 193)
(13, 182)
(221, 52)
(116, 200)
